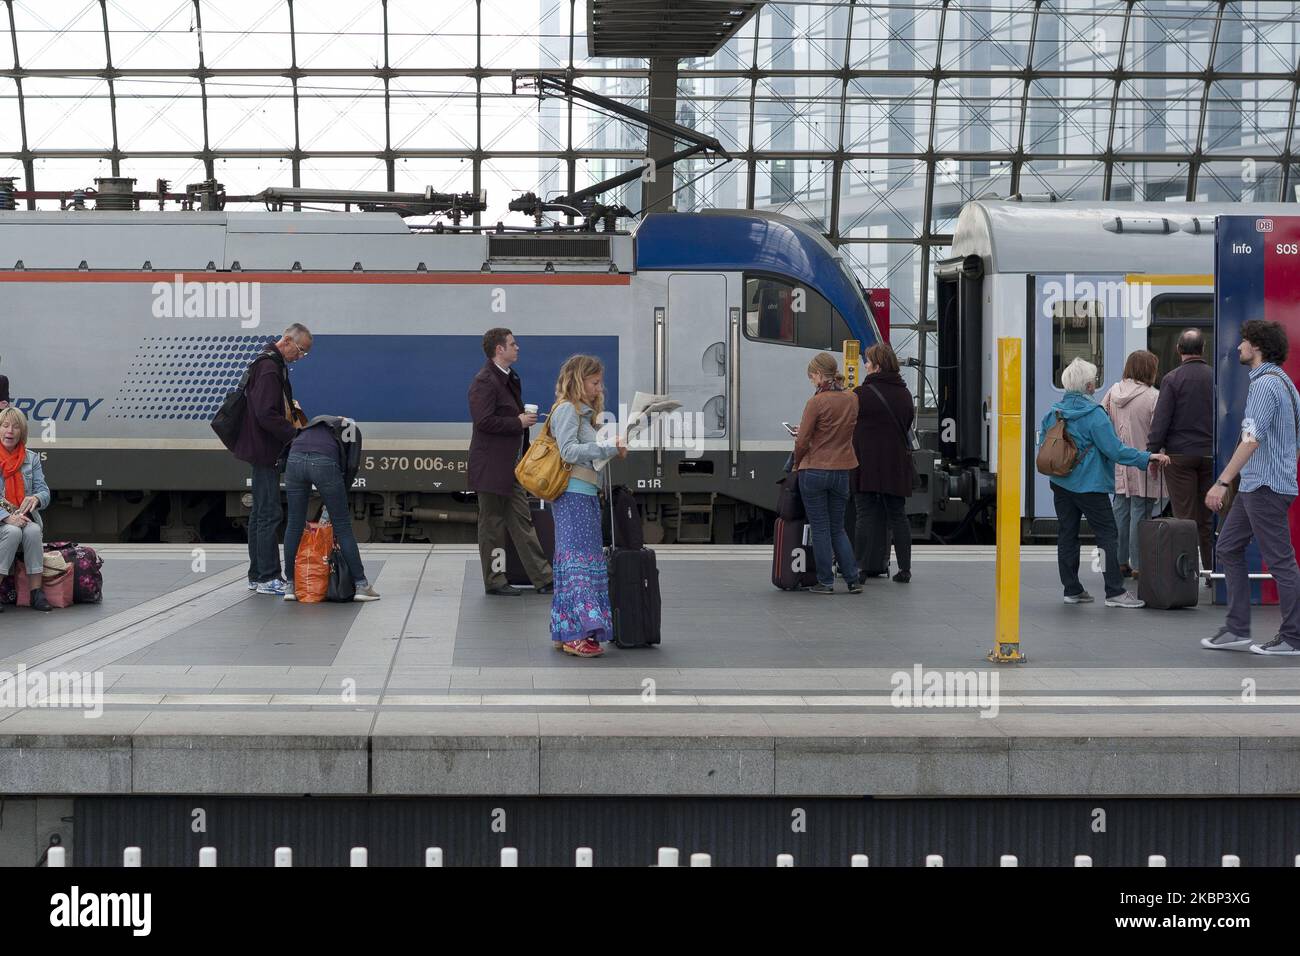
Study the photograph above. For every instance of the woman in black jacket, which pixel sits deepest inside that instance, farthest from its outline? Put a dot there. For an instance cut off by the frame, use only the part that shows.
(883, 480)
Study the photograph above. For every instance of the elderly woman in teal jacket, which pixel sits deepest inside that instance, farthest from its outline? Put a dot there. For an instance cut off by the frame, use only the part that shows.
(1085, 492)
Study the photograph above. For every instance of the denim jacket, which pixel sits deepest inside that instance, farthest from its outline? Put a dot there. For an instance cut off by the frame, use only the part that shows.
(577, 437)
(34, 482)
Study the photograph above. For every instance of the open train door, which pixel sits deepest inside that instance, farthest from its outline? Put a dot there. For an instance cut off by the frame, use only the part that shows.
(1256, 275)
(1071, 315)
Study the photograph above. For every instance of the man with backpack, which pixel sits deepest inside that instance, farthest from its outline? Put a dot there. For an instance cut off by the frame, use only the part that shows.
(270, 419)
(1265, 461)
(1078, 451)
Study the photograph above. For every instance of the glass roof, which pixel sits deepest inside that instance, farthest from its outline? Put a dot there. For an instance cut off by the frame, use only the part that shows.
(875, 121)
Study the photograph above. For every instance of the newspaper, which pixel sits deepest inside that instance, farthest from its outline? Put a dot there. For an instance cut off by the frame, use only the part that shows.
(645, 405)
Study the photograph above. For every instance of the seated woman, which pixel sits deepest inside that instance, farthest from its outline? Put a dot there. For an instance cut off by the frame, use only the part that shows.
(25, 494)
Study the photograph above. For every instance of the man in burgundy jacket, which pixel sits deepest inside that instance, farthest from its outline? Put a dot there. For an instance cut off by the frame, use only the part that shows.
(499, 440)
(270, 423)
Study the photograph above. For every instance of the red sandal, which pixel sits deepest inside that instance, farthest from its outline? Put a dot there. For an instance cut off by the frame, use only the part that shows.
(580, 648)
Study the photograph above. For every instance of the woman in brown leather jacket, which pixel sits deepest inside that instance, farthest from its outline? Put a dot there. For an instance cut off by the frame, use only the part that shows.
(824, 460)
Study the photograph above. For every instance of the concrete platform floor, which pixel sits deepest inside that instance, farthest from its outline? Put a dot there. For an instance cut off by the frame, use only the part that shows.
(438, 688)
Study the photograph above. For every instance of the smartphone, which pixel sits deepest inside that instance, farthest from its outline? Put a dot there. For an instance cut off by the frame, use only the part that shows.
(788, 427)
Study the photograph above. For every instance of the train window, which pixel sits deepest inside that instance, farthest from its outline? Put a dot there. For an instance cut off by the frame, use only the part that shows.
(777, 310)
(1078, 331)
(1170, 315)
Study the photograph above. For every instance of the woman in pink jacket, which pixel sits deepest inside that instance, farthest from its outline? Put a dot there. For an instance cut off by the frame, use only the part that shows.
(1131, 404)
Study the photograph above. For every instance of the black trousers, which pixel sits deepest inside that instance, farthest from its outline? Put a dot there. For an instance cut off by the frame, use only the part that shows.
(1071, 506)
(880, 517)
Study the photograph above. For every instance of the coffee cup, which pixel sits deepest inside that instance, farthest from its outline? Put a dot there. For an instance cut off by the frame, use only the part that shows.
(530, 409)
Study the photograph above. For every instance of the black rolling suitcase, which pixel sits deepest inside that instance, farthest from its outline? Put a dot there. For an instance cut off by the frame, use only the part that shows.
(634, 601)
(544, 525)
(792, 549)
(1167, 556)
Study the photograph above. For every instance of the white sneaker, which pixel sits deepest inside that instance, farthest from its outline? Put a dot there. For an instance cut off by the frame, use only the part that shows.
(274, 586)
(1225, 640)
(1127, 599)
(290, 596)
(1278, 647)
(366, 593)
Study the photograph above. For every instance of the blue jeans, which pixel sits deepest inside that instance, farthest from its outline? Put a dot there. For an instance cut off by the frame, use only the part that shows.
(305, 469)
(825, 497)
(263, 525)
(1129, 510)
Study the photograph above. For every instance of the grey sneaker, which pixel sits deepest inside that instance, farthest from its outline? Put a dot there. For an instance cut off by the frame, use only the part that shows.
(1278, 647)
(821, 589)
(1083, 597)
(1127, 599)
(252, 585)
(289, 595)
(275, 586)
(366, 593)
(1225, 640)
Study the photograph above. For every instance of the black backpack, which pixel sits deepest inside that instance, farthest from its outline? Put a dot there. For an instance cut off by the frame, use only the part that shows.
(228, 421)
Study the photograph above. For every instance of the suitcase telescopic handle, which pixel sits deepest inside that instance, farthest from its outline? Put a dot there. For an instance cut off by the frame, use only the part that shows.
(609, 495)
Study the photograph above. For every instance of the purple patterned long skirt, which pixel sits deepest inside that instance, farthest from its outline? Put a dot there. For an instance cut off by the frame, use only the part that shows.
(580, 607)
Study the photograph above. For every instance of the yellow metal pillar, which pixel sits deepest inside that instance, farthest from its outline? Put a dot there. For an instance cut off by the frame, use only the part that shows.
(1006, 649)
(851, 362)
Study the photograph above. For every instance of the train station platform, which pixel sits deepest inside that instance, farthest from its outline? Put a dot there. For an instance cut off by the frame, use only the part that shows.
(438, 689)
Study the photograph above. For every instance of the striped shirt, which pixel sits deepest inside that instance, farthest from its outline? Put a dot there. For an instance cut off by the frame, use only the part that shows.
(1270, 419)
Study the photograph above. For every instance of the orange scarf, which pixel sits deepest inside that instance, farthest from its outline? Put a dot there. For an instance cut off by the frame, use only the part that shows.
(11, 466)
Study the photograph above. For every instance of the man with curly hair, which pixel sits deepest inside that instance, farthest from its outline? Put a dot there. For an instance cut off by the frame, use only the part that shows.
(1266, 462)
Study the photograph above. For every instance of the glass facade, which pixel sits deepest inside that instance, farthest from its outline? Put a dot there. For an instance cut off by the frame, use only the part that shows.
(874, 121)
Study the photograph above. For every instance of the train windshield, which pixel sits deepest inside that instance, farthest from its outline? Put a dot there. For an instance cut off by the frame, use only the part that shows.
(780, 310)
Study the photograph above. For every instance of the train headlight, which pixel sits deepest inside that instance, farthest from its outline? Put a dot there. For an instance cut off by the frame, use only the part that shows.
(246, 500)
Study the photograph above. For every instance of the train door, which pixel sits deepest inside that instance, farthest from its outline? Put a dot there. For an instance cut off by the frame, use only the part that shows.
(1073, 316)
(697, 350)
(1173, 311)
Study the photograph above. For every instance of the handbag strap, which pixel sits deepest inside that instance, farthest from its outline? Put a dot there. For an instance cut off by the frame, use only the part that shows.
(902, 432)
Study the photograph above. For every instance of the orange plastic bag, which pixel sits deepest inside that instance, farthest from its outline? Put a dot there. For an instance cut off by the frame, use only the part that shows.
(311, 566)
